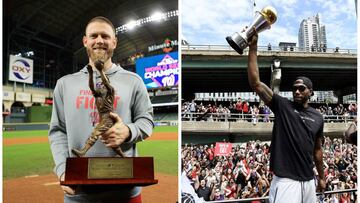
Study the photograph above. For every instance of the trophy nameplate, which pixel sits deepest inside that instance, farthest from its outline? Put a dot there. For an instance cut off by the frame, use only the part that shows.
(101, 168)
(136, 171)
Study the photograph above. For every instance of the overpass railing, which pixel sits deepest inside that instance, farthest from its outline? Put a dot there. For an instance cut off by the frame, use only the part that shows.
(322, 197)
(266, 48)
(236, 117)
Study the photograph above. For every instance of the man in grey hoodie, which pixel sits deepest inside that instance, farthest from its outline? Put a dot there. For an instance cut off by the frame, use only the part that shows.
(74, 115)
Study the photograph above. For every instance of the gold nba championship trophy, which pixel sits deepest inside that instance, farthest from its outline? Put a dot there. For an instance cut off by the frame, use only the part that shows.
(263, 20)
(121, 170)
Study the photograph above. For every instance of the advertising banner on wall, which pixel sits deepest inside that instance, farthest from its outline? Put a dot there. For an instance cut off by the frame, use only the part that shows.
(159, 71)
(21, 69)
(167, 46)
(38, 98)
(8, 95)
(23, 97)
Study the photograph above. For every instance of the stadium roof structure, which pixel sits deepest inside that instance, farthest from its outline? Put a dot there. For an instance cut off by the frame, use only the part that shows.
(53, 31)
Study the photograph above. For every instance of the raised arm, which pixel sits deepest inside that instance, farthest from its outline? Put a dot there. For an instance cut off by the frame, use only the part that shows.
(264, 92)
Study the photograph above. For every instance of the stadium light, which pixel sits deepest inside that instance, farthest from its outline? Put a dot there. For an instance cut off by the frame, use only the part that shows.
(157, 16)
(130, 25)
(29, 53)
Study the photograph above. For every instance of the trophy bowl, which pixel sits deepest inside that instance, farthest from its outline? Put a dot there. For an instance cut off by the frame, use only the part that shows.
(262, 21)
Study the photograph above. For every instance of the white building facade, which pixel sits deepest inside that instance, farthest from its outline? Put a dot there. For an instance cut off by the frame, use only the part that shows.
(312, 35)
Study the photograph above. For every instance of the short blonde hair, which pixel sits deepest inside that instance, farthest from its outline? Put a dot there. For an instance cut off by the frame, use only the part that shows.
(101, 19)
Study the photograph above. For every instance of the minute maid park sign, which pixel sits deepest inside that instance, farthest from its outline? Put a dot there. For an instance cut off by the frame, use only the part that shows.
(21, 69)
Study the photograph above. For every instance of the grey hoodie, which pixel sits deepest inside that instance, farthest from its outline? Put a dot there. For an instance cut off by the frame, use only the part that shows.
(74, 115)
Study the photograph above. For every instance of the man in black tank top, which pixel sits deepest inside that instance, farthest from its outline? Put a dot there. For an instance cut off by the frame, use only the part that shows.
(296, 138)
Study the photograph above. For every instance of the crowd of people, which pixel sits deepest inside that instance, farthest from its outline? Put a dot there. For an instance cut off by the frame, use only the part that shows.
(338, 113)
(233, 112)
(243, 110)
(130, 59)
(244, 173)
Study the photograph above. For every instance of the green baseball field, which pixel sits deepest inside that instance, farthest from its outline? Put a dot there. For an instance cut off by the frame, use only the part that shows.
(27, 156)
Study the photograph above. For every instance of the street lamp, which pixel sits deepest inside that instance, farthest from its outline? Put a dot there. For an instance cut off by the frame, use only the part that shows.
(276, 63)
(275, 75)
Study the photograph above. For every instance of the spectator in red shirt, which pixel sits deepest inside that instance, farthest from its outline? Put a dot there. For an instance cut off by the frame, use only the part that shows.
(239, 106)
(345, 198)
(245, 107)
(233, 189)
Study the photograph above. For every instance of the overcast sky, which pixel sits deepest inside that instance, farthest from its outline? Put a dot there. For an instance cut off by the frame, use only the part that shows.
(208, 22)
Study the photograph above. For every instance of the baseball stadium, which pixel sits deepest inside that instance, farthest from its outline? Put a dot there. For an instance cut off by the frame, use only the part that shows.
(42, 43)
(226, 129)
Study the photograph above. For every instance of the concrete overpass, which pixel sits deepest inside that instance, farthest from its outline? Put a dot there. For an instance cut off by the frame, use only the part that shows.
(209, 132)
(220, 69)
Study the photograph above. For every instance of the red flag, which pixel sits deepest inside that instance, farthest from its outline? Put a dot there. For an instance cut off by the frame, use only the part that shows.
(222, 149)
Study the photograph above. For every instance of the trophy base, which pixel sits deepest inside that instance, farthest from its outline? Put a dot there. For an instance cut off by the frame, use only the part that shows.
(237, 43)
(135, 171)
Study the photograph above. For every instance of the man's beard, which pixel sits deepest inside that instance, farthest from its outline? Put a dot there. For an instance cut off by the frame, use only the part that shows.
(102, 56)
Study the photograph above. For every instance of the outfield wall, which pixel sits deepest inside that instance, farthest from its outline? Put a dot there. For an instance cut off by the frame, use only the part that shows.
(35, 114)
(45, 125)
(25, 126)
(39, 114)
